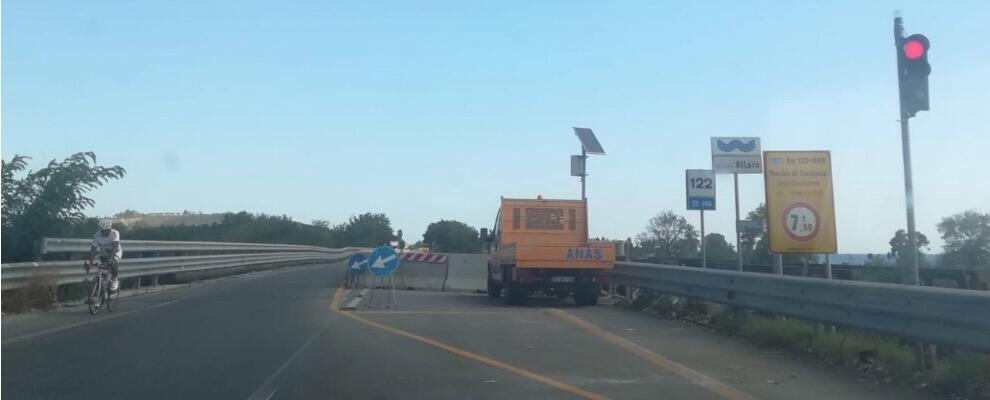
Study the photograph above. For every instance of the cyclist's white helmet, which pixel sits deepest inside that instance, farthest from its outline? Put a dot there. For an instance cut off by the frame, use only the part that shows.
(106, 224)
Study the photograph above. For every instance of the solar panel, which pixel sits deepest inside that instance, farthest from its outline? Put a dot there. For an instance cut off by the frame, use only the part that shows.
(589, 141)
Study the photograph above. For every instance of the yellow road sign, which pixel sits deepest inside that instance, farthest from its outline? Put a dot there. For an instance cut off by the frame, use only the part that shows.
(800, 205)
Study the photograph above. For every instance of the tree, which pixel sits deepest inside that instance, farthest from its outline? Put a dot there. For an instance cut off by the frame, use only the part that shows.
(967, 239)
(669, 235)
(321, 223)
(128, 214)
(877, 260)
(365, 230)
(755, 247)
(452, 237)
(900, 247)
(47, 201)
(13, 192)
(717, 248)
(243, 227)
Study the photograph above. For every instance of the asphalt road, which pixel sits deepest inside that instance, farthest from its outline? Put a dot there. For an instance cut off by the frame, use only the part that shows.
(274, 335)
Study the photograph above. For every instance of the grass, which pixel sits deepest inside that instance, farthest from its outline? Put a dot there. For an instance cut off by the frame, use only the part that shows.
(963, 375)
(959, 375)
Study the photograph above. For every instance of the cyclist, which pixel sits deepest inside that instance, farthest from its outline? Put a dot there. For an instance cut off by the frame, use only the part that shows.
(106, 244)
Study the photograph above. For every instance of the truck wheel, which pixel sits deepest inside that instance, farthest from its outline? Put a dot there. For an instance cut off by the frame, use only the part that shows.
(494, 290)
(586, 295)
(515, 294)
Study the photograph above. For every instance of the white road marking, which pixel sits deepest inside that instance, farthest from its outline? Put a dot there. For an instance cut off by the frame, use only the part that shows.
(267, 389)
(353, 304)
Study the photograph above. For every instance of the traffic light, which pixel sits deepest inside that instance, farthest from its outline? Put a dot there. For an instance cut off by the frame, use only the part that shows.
(913, 70)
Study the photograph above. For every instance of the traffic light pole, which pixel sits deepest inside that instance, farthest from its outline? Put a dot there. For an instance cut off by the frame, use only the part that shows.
(913, 278)
(913, 275)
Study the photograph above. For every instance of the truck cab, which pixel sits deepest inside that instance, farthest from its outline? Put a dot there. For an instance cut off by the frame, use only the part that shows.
(542, 245)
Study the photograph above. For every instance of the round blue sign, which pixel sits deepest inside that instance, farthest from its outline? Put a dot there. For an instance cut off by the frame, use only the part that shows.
(383, 261)
(358, 264)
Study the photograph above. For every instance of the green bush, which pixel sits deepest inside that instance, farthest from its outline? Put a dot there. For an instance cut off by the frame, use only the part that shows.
(964, 374)
(960, 375)
(730, 321)
(73, 291)
(779, 333)
(694, 307)
(644, 300)
(841, 348)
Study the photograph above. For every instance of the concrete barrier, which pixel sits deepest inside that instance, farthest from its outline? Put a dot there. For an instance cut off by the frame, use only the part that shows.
(420, 276)
(467, 273)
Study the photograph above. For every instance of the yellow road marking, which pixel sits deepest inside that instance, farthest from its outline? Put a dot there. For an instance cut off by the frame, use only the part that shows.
(335, 302)
(430, 312)
(681, 370)
(525, 373)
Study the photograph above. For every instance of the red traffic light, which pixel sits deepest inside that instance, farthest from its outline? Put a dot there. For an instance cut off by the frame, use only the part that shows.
(915, 46)
(913, 49)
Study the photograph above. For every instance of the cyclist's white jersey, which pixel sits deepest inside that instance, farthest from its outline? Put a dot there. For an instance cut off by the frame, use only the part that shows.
(104, 244)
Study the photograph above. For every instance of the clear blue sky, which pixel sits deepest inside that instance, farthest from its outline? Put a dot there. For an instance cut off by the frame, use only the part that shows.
(424, 111)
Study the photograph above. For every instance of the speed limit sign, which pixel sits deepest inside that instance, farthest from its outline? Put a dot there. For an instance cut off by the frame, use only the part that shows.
(801, 221)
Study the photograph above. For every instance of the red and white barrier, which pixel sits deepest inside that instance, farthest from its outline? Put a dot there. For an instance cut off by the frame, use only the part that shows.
(424, 258)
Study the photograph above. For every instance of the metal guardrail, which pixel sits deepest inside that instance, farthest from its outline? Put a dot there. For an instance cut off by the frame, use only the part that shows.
(951, 316)
(964, 278)
(59, 245)
(16, 275)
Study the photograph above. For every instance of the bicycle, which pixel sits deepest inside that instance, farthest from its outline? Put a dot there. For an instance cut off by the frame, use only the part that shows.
(100, 295)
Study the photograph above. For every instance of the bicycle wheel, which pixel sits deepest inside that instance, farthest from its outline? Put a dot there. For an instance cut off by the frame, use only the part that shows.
(94, 301)
(106, 300)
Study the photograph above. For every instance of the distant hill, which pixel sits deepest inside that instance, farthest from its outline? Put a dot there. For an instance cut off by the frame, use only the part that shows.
(134, 219)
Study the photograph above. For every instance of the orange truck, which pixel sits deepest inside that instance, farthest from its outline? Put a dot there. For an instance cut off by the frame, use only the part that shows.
(542, 245)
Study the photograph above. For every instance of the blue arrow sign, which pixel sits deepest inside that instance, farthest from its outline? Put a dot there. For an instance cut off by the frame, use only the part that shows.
(383, 261)
(358, 264)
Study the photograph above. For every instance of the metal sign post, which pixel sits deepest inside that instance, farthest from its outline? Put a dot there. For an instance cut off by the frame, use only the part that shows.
(700, 189)
(383, 262)
(356, 268)
(735, 186)
(704, 250)
(737, 155)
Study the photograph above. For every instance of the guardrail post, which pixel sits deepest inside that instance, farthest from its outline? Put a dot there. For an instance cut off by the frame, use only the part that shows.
(154, 280)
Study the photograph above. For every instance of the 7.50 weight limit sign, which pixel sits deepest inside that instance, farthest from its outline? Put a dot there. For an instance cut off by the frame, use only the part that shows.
(800, 205)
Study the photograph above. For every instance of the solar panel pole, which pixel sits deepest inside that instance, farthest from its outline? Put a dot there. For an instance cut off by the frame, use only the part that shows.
(584, 170)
